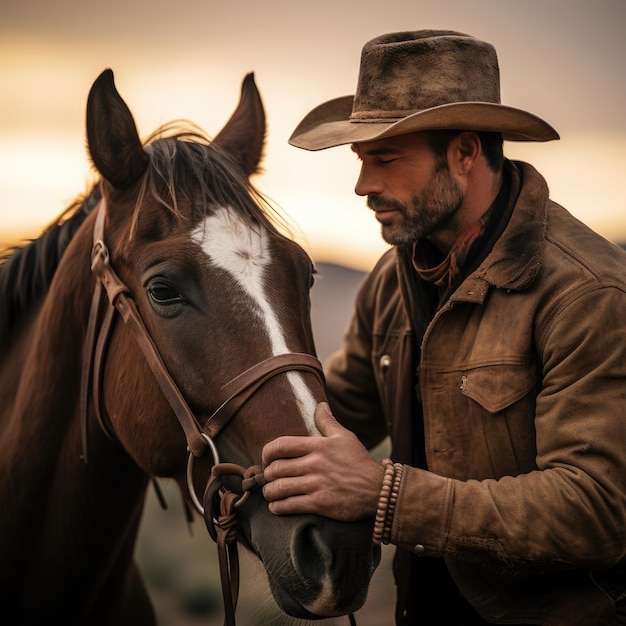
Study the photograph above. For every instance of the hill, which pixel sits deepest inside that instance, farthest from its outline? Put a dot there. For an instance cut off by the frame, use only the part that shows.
(332, 302)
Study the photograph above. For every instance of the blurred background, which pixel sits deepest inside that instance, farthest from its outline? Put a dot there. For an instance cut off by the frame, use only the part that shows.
(560, 59)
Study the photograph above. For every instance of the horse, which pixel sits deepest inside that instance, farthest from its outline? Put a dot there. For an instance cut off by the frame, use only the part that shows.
(160, 328)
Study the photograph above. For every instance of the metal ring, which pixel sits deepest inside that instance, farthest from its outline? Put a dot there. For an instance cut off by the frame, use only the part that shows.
(100, 249)
(190, 486)
(241, 499)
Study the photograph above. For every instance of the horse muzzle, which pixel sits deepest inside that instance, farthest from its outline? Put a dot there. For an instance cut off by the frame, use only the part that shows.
(316, 567)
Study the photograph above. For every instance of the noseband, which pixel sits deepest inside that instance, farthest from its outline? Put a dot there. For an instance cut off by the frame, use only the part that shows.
(222, 524)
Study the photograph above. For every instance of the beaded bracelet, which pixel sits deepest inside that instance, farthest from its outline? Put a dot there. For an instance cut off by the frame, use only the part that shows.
(383, 500)
(393, 498)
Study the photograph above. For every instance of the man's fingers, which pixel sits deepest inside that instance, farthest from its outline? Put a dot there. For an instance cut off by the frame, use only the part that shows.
(292, 506)
(284, 468)
(288, 447)
(284, 448)
(286, 487)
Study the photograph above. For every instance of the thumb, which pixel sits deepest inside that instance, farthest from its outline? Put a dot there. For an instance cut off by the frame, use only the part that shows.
(326, 422)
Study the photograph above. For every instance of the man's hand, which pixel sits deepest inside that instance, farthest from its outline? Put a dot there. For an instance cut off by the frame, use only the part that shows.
(333, 475)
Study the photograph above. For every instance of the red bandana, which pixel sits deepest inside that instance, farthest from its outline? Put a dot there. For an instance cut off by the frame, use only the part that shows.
(444, 273)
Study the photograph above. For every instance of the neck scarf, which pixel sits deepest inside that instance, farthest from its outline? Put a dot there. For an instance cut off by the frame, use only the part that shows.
(442, 274)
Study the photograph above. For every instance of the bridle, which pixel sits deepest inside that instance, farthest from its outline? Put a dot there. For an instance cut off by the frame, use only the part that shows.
(219, 505)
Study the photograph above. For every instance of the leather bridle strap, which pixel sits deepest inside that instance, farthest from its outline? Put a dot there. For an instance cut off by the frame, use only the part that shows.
(99, 360)
(238, 391)
(87, 367)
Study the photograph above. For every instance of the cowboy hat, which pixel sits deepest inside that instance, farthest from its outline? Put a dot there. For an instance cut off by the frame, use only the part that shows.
(416, 81)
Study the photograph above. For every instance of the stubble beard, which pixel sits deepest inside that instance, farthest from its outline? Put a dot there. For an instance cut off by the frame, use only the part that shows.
(423, 215)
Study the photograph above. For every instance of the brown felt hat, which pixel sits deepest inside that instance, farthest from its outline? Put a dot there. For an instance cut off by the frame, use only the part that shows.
(415, 81)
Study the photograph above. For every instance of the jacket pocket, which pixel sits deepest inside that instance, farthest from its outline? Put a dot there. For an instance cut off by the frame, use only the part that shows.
(496, 387)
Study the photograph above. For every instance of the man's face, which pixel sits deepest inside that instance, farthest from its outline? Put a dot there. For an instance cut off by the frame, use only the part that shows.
(412, 192)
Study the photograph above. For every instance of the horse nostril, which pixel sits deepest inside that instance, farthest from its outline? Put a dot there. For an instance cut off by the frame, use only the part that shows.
(312, 557)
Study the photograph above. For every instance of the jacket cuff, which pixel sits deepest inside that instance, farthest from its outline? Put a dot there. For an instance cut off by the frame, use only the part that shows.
(422, 513)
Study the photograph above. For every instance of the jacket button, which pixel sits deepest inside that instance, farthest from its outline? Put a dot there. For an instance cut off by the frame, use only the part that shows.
(418, 549)
(385, 361)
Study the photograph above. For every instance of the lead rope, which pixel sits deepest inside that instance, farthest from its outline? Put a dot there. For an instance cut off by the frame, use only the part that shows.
(228, 554)
(222, 526)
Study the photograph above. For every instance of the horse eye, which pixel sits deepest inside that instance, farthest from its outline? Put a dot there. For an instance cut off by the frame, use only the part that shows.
(162, 293)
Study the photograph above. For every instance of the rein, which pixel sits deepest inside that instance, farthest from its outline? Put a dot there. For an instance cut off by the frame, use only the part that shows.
(219, 504)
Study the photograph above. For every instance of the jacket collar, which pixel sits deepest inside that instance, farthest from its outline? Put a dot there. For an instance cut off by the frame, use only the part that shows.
(515, 260)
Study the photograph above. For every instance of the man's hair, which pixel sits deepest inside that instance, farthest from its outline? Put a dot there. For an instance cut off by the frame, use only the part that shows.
(491, 144)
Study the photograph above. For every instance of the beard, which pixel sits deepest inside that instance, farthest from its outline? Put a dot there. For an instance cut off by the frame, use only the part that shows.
(425, 213)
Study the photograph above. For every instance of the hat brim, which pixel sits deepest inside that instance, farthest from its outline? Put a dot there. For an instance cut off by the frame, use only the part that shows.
(329, 124)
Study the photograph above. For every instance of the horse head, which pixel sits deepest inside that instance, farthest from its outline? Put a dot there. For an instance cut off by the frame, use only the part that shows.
(209, 353)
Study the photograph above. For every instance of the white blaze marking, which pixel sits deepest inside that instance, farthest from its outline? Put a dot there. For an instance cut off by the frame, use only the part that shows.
(234, 246)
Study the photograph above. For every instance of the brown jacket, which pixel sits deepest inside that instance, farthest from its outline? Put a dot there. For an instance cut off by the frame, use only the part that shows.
(522, 379)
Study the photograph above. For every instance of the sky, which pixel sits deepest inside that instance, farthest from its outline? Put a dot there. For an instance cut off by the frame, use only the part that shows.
(562, 60)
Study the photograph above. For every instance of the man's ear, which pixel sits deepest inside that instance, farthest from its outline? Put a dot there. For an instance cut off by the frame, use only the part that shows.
(465, 148)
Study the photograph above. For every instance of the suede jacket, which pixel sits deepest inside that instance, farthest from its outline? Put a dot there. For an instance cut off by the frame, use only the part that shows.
(521, 376)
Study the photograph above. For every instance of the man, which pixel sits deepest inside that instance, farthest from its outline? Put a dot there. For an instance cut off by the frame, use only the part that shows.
(489, 343)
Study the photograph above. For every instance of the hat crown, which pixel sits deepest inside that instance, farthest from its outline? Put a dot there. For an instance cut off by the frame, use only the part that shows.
(406, 72)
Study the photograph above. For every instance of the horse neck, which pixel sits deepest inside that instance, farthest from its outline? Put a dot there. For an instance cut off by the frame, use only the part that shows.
(51, 498)
(40, 372)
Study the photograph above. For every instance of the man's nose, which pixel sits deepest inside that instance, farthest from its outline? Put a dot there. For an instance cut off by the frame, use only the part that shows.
(368, 184)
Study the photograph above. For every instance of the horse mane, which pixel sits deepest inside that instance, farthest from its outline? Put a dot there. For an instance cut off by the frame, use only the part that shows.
(26, 271)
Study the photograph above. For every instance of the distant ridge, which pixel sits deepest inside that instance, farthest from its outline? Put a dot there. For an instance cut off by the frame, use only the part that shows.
(332, 302)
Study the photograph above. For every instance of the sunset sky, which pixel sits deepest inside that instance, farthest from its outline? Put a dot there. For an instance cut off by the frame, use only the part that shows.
(560, 59)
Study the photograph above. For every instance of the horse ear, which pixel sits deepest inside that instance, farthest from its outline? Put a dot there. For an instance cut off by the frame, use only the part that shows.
(112, 138)
(243, 136)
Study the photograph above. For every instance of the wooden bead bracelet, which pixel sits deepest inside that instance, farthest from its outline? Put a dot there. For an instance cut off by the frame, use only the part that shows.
(382, 509)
